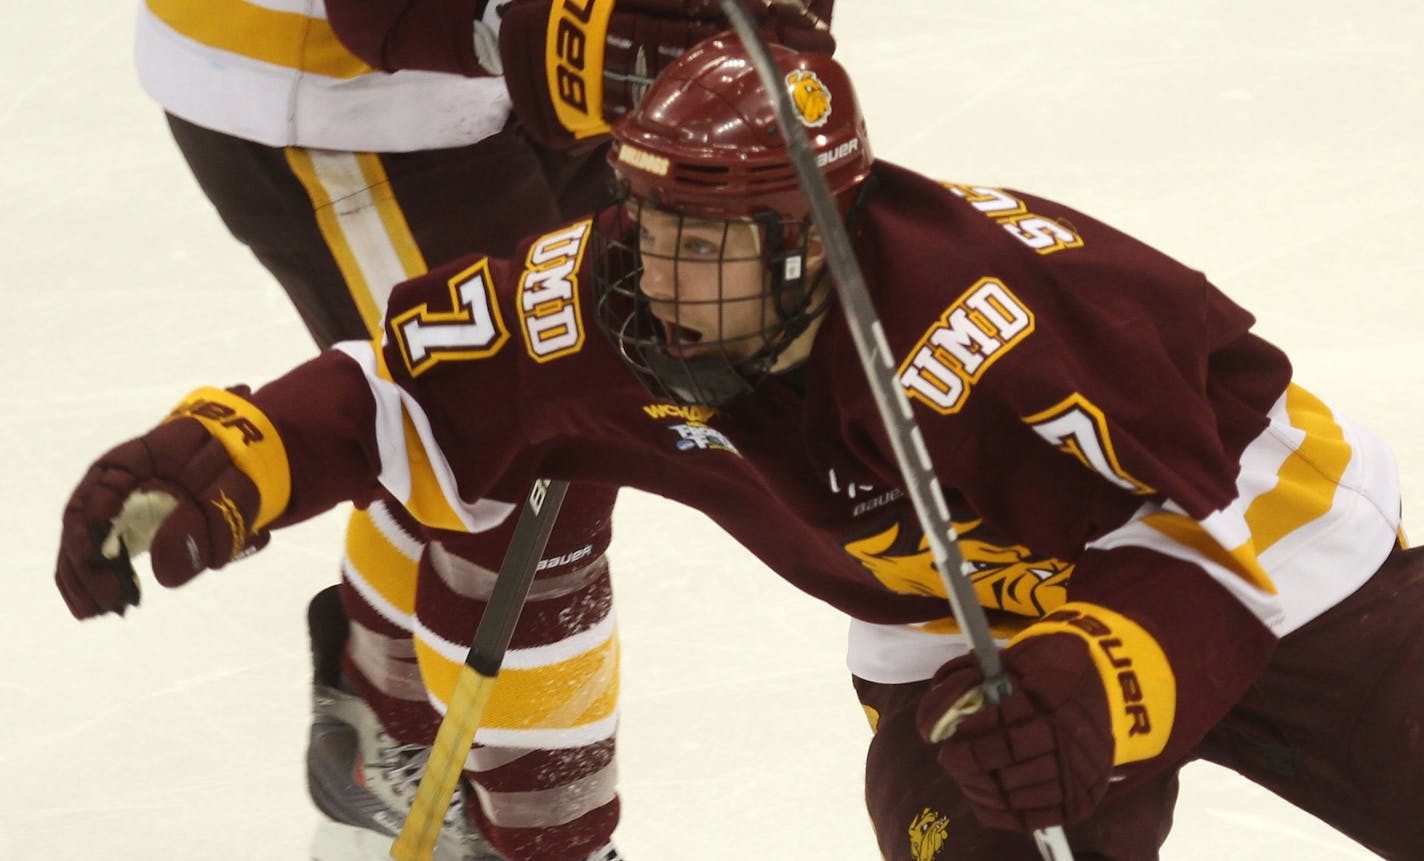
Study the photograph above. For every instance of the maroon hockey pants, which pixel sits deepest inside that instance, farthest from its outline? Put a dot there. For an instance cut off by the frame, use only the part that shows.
(1335, 726)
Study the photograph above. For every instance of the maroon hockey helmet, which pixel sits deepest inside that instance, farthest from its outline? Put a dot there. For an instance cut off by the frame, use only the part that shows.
(703, 146)
(704, 141)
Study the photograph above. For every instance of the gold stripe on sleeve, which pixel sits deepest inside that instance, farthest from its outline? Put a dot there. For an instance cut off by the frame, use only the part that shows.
(1189, 533)
(1306, 483)
(286, 39)
(427, 500)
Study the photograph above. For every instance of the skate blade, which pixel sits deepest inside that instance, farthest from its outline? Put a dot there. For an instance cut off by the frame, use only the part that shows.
(335, 841)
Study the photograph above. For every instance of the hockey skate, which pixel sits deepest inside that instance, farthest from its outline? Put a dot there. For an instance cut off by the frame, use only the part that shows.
(359, 776)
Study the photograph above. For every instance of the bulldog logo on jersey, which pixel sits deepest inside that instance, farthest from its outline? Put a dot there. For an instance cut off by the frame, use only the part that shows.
(927, 834)
(1007, 577)
(810, 97)
(1011, 577)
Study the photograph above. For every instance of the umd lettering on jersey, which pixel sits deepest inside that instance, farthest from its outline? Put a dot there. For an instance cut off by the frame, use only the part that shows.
(548, 294)
(979, 328)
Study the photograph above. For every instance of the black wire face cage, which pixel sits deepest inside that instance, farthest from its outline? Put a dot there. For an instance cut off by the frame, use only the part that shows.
(696, 336)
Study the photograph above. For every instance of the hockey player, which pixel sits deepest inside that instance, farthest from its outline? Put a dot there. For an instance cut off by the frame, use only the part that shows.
(1186, 554)
(343, 177)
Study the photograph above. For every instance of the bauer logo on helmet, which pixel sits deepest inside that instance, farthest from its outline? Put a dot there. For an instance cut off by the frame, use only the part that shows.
(848, 148)
(811, 97)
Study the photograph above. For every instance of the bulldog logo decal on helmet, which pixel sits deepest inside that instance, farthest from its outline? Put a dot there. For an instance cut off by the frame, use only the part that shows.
(811, 97)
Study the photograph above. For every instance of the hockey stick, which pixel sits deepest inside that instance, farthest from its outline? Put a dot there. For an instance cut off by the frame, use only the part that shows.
(472, 693)
(875, 357)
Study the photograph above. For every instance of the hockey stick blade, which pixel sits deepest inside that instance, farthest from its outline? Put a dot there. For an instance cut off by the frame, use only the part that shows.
(911, 455)
(475, 685)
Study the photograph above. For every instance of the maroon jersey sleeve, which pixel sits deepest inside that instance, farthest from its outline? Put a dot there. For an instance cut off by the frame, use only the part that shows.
(391, 411)
(323, 412)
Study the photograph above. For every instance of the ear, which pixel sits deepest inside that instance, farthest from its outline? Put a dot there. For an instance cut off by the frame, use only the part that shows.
(815, 254)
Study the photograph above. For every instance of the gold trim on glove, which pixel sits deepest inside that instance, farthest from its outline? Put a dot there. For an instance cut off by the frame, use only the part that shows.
(578, 31)
(251, 441)
(1138, 679)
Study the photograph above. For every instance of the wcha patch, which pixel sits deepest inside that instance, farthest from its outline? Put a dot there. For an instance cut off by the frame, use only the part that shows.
(700, 437)
(693, 434)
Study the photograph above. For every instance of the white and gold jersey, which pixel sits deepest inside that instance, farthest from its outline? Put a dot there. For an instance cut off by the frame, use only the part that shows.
(273, 72)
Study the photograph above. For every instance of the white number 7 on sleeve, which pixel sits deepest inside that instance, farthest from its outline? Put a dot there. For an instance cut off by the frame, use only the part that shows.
(1077, 427)
(472, 329)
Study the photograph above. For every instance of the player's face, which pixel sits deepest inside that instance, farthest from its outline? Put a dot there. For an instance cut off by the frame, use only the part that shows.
(705, 281)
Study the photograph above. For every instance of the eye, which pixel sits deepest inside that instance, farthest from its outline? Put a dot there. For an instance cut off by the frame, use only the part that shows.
(700, 246)
(648, 243)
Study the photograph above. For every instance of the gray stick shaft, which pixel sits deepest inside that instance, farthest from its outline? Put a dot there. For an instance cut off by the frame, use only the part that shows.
(516, 574)
(911, 455)
(877, 361)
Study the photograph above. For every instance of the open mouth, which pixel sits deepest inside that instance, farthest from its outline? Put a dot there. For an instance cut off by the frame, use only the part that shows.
(680, 340)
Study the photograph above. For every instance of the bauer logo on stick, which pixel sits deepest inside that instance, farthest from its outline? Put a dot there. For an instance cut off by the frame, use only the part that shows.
(811, 97)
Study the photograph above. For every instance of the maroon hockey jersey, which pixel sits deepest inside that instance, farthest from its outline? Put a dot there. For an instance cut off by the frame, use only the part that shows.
(1107, 427)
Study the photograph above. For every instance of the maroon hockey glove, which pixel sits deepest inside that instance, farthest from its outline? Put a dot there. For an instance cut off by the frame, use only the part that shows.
(572, 66)
(1091, 689)
(1040, 757)
(455, 36)
(196, 492)
(575, 66)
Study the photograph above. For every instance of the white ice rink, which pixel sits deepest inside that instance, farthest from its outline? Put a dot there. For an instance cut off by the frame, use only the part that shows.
(1275, 144)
